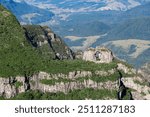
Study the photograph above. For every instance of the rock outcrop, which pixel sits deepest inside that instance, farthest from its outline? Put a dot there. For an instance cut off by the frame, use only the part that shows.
(126, 69)
(145, 72)
(98, 55)
(50, 45)
(9, 88)
(140, 90)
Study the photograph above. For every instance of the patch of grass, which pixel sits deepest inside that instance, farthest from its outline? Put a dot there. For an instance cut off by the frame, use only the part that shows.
(67, 66)
(54, 81)
(97, 79)
(113, 77)
(18, 84)
(2, 98)
(17, 57)
(81, 94)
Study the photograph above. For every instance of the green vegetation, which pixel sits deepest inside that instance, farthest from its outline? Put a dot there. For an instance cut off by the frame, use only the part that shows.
(97, 79)
(2, 98)
(54, 81)
(18, 84)
(36, 34)
(66, 66)
(87, 93)
(16, 56)
(113, 77)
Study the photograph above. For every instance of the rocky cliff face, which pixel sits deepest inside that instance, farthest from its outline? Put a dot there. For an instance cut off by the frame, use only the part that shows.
(73, 84)
(50, 45)
(145, 72)
(9, 87)
(140, 89)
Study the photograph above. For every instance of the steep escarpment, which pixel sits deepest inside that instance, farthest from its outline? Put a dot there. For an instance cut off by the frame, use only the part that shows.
(47, 43)
(145, 72)
(17, 57)
(114, 78)
(78, 75)
(54, 83)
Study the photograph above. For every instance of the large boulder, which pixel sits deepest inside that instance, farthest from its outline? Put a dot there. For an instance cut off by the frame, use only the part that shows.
(98, 55)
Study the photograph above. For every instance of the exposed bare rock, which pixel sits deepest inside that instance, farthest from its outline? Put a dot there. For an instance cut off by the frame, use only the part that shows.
(145, 71)
(140, 90)
(105, 73)
(79, 54)
(47, 42)
(98, 55)
(9, 89)
(66, 87)
(88, 55)
(126, 69)
(137, 96)
(6, 88)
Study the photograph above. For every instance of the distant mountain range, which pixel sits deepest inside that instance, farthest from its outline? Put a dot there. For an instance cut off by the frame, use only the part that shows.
(86, 5)
(55, 12)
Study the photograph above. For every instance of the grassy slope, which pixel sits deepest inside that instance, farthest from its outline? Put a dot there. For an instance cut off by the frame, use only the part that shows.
(16, 56)
(87, 93)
